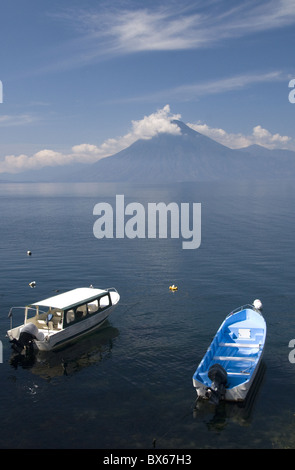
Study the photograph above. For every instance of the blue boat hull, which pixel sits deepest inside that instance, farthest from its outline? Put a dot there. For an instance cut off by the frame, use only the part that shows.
(238, 348)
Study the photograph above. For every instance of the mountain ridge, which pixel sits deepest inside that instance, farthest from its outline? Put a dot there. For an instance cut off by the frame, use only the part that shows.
(166, 158)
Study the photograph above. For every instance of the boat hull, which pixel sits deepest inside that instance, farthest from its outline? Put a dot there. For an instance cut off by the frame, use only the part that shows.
(55, 339)
(238, 393)
(71, 333)
(45, 336)
(238, 348)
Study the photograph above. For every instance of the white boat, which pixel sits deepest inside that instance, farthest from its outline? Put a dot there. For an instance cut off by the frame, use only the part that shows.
(230, 364)
(54, 321)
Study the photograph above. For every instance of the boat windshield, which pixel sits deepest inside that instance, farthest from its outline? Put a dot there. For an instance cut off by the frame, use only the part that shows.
(31, 312)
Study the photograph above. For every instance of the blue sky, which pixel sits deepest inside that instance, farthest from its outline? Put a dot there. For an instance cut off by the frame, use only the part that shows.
(82, 80)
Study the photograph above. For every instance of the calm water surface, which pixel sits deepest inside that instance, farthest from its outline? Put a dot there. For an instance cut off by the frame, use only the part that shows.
(131, 382)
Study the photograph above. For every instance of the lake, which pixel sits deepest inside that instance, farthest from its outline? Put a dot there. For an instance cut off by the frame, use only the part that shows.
(129, 385)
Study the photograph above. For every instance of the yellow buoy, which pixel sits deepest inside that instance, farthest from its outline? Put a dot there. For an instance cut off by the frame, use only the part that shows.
(173, 287)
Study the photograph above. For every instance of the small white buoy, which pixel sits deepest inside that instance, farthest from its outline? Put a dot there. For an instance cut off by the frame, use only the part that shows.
(29, 253)
(32, 284)
(257, 304)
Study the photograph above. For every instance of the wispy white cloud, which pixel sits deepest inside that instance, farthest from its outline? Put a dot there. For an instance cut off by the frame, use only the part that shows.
(194, 91)
(146, 128)
(228, 83)
(115, 30)
(8, 120)
(259, 136)
(260, 16)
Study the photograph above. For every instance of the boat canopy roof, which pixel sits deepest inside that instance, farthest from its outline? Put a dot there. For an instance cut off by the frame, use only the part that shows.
(71, 298)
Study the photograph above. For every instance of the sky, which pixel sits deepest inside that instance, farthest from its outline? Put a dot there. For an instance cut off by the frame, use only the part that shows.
(81, 80)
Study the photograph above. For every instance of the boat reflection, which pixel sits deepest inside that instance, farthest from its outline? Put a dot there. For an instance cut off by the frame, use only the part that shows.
(217, 417)
(85, 351)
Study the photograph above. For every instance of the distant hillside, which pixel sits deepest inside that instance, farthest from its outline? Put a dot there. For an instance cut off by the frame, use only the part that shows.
(164, 158)
(190, 156)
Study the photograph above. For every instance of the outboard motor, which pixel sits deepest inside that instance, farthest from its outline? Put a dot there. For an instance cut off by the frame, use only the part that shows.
(217, 374)
(28, 333)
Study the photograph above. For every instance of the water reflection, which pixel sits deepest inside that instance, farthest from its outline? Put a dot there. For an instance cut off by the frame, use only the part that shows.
(86, 351)
(218, 417)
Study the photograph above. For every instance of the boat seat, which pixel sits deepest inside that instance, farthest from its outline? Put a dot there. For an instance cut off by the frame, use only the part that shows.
(41, 324)
(244, 333)
(234, 358)
(237, 374)
(240, 345)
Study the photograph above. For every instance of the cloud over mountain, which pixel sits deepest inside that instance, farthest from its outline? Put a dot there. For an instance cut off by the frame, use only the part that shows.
(259, 136)
(160, 122)
(146, 128)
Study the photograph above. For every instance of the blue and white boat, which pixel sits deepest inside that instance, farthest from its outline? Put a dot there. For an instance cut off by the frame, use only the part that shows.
(230, 364)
